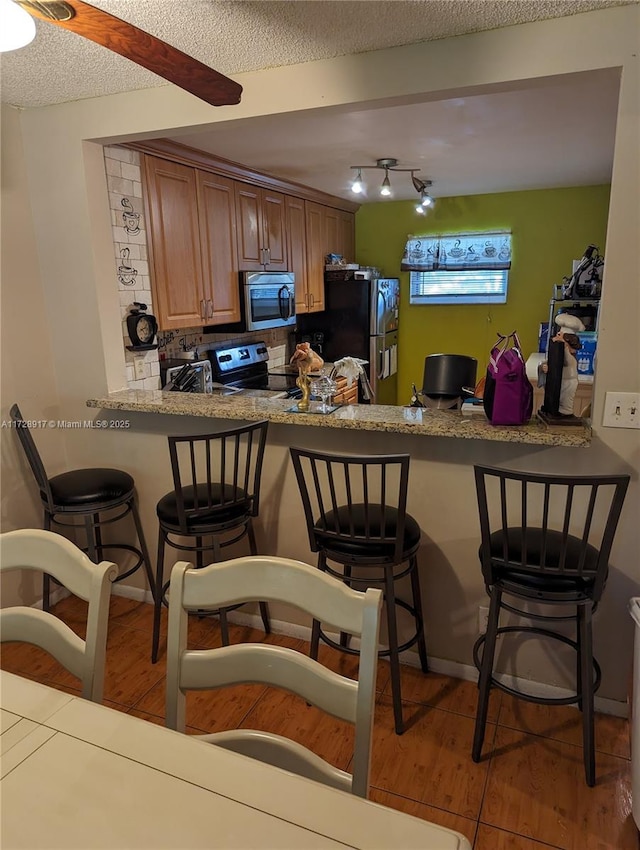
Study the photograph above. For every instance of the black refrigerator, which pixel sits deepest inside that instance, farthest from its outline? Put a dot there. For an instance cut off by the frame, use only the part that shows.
(360, 319)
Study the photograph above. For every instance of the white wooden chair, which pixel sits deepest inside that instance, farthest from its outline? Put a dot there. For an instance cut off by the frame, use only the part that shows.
(324, 598)
(35, 549)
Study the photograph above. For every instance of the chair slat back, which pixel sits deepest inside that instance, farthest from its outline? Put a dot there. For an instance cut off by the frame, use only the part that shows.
(215, 473)
(44, 551)
(290, 582)
(33, 456)
(353, 497)
(564, 524)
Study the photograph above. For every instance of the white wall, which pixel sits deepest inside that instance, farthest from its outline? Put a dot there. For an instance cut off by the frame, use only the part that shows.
(82, 307)
(27, 374)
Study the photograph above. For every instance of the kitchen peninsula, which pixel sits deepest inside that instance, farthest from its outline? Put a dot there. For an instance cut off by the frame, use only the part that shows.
(252, 406)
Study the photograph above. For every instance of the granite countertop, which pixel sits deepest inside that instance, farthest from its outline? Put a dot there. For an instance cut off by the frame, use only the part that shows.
(249, 406)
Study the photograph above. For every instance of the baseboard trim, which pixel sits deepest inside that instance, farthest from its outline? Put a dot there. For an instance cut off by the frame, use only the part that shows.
(438, 665)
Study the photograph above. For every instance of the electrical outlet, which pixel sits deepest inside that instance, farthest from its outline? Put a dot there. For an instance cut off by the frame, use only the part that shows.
(621, 410)
(483, 618)
(138, 368)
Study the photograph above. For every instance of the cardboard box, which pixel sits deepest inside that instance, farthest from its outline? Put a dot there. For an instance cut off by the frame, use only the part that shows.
(587, 353)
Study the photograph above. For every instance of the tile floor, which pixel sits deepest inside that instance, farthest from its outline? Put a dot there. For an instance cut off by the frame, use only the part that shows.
(528, 793)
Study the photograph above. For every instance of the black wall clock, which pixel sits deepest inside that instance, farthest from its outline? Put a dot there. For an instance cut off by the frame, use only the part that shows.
(142, 328)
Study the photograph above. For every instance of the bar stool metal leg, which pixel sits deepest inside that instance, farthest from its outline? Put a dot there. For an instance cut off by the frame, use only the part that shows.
(46, 578)
(394, 660)
(146, 560)
(89, 528)
(486, 671)
(344, 637)
(157, 602)
(586, 693)
(417, 607)
(253, 548)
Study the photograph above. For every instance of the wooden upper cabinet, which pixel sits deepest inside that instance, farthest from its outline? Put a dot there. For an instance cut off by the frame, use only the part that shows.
(174, 243)
(346, 235)
(218, 244)
(274, 222)
(315, 227)
(261, 224)
(332, 231)
(297, 249)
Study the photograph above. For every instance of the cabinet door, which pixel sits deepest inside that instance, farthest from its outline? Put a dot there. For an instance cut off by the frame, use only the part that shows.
(274, 231)
(249, 227)
(217, 216)
(332, 231)
(297, 249)
(314, 215)
(346, 236)
(174, 243)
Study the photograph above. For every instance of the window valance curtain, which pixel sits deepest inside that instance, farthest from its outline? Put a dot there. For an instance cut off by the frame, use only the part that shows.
(458, 252)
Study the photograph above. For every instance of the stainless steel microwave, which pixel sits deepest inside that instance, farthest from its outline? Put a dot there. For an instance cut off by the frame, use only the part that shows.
(269, 299)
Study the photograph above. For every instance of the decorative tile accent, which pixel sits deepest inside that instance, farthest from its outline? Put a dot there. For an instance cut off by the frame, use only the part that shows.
(133, 279)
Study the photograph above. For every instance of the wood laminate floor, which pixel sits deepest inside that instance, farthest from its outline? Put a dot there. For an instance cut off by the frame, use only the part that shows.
(528, 792)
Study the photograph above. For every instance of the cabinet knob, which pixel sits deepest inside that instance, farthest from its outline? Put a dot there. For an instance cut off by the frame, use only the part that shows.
(203, 309)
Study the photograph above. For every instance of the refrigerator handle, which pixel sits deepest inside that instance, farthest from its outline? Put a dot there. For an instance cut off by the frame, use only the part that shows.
(381, 315)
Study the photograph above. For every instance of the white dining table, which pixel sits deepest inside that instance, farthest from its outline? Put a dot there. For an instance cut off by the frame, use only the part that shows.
(75, 774)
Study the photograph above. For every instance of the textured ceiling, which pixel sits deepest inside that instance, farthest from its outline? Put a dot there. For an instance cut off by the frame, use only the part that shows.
(233, 37)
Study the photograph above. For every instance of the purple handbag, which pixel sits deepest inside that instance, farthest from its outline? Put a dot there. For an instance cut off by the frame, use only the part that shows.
(508, 394)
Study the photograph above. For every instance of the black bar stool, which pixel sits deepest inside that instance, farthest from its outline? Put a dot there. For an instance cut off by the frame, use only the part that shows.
(86, 493)
(355, 509)
(216, 494)
(546, 540)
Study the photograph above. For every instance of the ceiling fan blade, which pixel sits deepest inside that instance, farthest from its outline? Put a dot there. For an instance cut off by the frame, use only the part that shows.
(138, 46)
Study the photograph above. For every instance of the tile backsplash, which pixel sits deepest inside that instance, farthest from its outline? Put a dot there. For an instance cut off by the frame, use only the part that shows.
(124, 183)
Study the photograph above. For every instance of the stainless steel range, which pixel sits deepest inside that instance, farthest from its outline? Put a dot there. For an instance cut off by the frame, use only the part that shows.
(245, 367)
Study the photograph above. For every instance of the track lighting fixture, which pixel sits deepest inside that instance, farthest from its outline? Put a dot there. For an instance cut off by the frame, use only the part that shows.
(389, 164)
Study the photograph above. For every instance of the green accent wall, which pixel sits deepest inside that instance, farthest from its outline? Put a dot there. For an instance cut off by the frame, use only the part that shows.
(550, 228)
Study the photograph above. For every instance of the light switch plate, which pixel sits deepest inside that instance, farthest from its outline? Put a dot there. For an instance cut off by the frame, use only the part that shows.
(621, 410)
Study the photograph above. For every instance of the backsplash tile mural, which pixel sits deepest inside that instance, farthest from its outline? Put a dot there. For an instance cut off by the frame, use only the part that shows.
(132, 279)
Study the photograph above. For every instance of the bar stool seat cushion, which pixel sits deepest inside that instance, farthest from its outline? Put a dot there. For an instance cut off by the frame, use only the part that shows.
(89, 486)
(340, 522)
(167, 507)
(543, 583)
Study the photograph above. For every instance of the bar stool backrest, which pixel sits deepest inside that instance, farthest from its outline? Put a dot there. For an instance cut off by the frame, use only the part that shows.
(357, 498)
(35, 549)
(32, 454)
(558, 524)
(225, 466)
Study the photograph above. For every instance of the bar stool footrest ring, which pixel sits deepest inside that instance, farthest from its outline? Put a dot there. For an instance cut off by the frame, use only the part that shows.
(570, 700)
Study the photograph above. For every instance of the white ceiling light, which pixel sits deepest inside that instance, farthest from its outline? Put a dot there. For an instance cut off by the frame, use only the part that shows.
(17, 27)
(357, 187)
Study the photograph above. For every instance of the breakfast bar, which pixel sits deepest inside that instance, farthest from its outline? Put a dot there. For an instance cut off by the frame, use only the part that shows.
(252, 405)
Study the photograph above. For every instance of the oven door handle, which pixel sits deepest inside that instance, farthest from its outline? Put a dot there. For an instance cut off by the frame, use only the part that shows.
(284, 302)
(292, 303)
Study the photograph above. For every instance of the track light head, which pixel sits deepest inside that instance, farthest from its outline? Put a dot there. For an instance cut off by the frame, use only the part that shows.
(385, 189)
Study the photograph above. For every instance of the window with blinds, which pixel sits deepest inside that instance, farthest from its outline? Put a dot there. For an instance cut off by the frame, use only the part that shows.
(473, 286)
